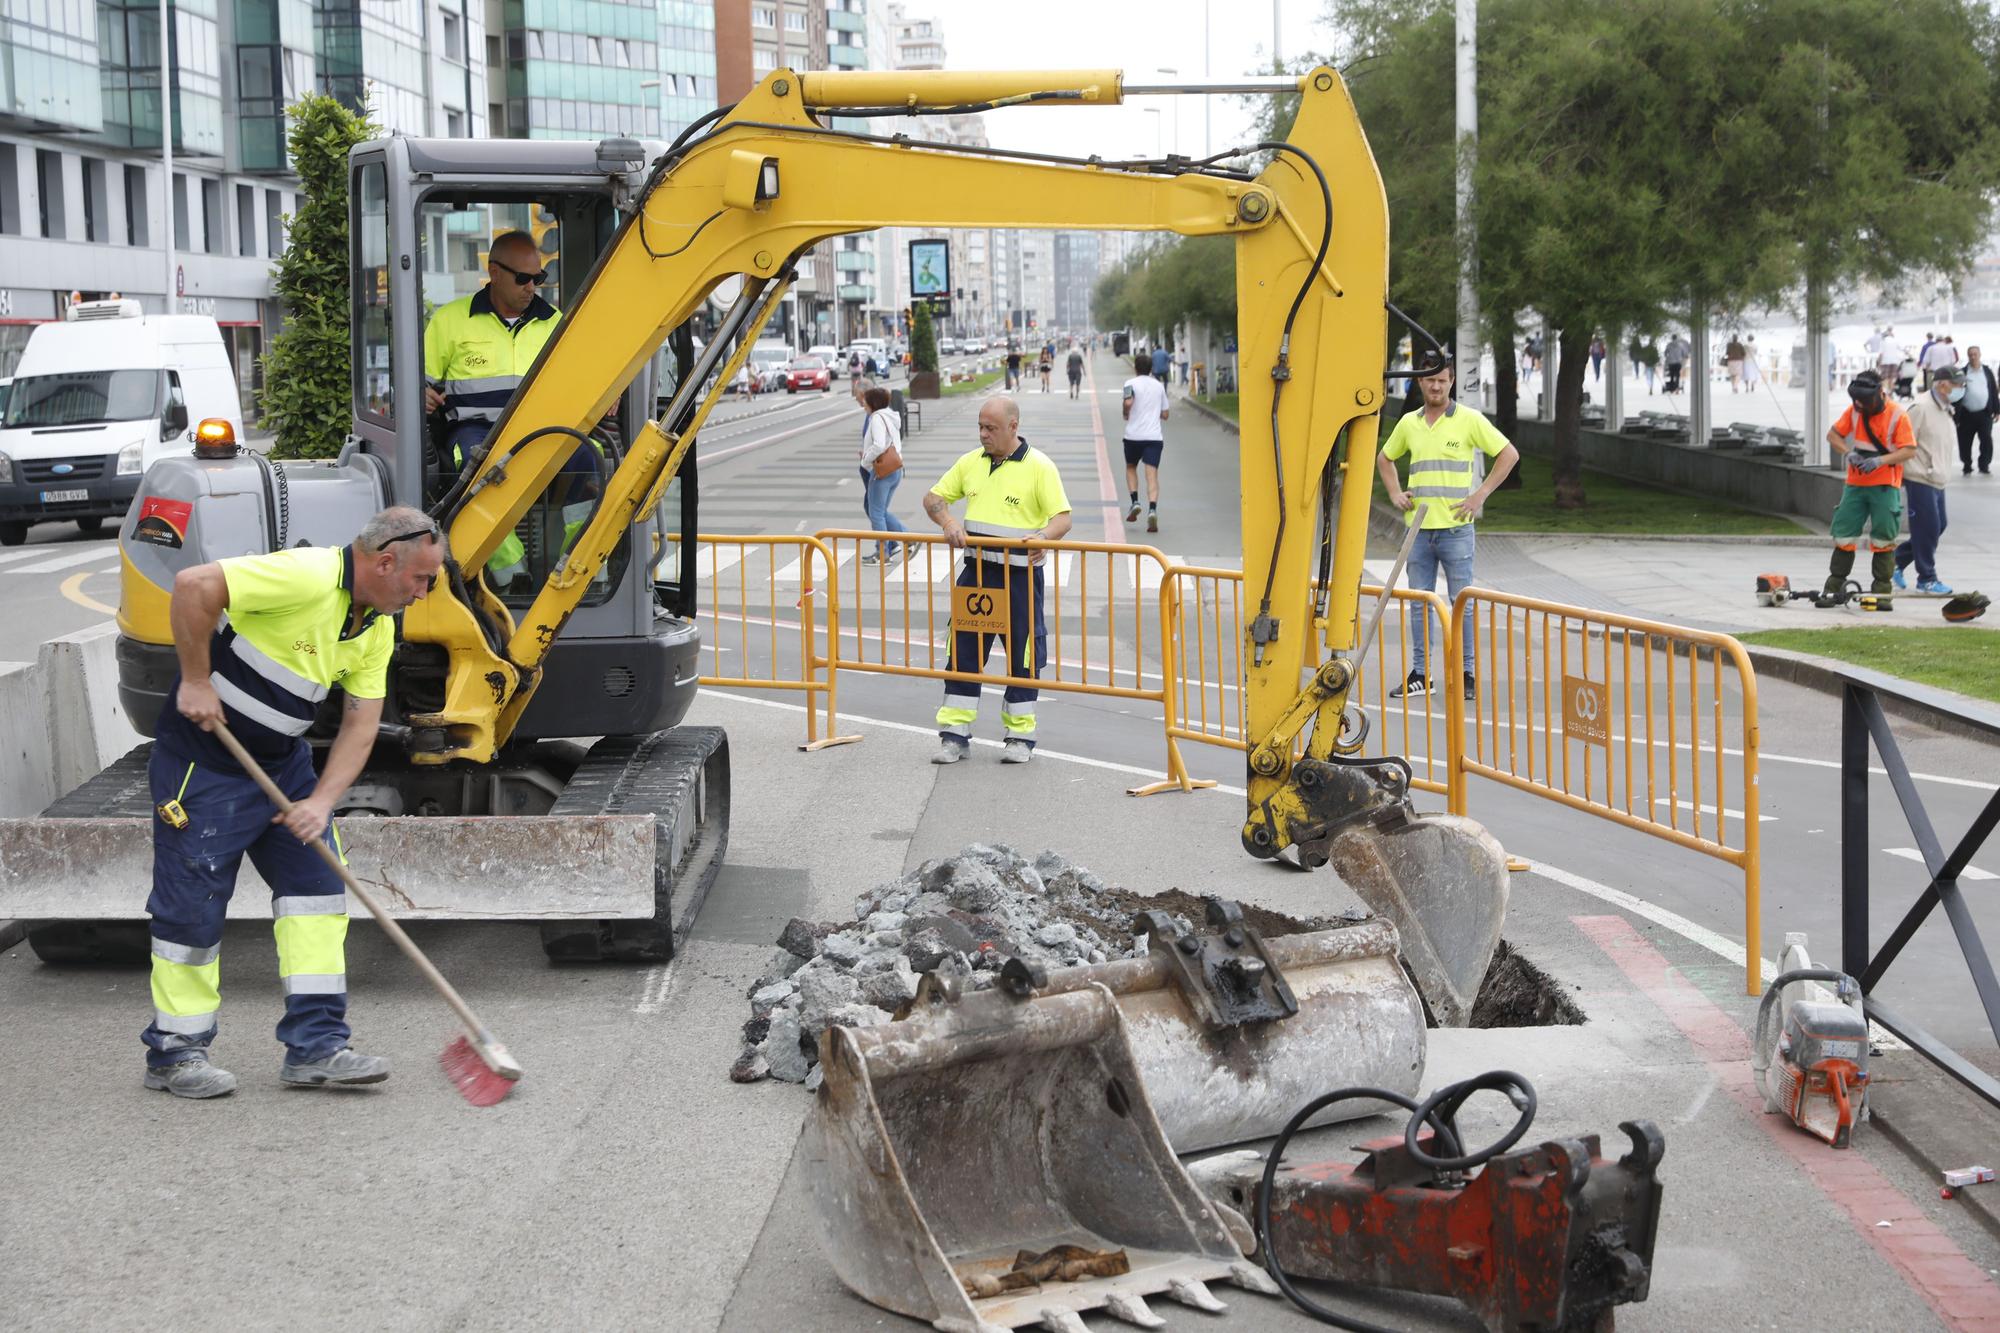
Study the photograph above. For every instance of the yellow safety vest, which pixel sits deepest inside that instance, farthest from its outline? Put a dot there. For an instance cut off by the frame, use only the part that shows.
(1014, 497)
(1442, 467)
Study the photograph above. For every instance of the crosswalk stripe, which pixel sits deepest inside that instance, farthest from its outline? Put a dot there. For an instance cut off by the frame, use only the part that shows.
(1912, 854)
(95, 553)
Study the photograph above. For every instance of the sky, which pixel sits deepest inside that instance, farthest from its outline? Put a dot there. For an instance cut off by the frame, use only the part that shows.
(1138, 38)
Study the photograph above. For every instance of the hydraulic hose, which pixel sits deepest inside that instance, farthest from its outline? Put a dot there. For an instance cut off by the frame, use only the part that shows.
(1440, 1112)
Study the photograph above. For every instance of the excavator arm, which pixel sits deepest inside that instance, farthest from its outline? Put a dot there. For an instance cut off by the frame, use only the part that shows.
(770, 179)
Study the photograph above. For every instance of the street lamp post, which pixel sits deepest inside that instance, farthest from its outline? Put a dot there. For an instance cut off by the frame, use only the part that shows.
(1468, 352)
(1174, 73)
(1154, 112)
(167, 287)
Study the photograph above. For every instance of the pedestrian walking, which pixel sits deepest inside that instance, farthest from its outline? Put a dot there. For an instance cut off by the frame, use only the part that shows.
(1597, 353)
(1876, 436)
(1075, 370)
(1441, 442)
(1011, 492)
(262, 639)
(1162, 360)
(1888, 356)
(881, 470)
(1013, 367)
(1145, 410)
(1753, 373)
(1675, 359)
(1046, 366)
(1974, 413)
(1644, 354)
(1940, 355)
(1934, 423)
(1732, 359)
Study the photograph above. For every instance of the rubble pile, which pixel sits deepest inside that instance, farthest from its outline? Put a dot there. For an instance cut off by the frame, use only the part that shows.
(968, 913)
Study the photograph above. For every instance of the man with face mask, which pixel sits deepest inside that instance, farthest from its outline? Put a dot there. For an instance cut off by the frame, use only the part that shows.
(1876, 437)
(1924, 475)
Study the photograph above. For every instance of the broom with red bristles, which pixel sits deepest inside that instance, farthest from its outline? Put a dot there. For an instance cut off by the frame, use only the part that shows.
(478, 1066)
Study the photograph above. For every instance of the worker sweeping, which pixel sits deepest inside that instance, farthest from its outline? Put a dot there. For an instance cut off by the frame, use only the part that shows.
(1876, 436)
(262, 639)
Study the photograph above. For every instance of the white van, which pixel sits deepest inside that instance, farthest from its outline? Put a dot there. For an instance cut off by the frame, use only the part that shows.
(96, 400)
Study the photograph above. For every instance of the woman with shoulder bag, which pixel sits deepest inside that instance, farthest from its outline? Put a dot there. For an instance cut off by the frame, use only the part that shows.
(881, 470)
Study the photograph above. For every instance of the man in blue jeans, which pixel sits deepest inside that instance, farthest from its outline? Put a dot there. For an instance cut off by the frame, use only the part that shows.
(1444, 443)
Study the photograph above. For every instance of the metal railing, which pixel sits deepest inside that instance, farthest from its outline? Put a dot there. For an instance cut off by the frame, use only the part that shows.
(1862, 720)
(1622, 717)
(1204, 611)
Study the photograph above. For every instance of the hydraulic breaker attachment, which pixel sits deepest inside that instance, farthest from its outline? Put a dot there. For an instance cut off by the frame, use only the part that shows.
(992, 1161)
(1232, 1032)
(1551, 1238)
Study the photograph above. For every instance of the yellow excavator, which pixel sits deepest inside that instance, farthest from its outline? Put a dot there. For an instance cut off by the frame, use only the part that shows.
(1062, 1099)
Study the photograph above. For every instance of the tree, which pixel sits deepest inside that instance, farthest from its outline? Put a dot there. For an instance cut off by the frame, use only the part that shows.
(923, 341)
(306, 369)
(1636, 158)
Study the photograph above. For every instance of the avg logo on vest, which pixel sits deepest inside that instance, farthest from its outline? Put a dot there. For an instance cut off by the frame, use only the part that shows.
(1013, 500)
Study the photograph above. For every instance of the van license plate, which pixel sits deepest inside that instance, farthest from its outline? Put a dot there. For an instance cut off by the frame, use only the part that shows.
(63, 497)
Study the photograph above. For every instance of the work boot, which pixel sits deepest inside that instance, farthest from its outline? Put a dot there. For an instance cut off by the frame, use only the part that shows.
(1882, 567)
(194, 1078)
(950, 752)
(1016, 752)
(1837, 570)
(346, 1067)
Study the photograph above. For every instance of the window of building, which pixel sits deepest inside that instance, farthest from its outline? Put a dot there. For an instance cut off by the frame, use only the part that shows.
(625, 55)
(246, 220)
(137, 232)
(763, 16)
(10, 196)
(454, 124)
(763, 60)
(211, 216)
(274, 222)
(795, 21)
(96, 202)
(180, 211)
(492, 49)
(452, 30)
(496, 119)
(49, 185)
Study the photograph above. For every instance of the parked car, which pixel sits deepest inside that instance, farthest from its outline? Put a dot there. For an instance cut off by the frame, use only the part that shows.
(975, 346)
(807, 372)
(947, 347)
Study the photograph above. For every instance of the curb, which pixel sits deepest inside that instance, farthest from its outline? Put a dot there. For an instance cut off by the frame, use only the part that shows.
(1202, 409)
(1980, 1201)
(1828, 676)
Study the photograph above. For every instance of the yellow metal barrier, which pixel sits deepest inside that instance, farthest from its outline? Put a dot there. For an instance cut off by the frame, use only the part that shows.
(751, 598)
(896, 619)
(1204, 610)
(1603, 713)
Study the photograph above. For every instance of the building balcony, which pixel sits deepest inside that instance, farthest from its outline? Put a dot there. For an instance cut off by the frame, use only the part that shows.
(854, 261)
(854, 291)
(840, 20)
(847, 57)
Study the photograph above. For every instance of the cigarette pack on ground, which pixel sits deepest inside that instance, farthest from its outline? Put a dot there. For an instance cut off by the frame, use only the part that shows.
(1968, 1175)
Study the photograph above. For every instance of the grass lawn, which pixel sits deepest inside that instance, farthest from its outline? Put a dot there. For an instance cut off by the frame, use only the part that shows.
(1225, 403)
(1951, 657)
(1614, 505)
(973, 385)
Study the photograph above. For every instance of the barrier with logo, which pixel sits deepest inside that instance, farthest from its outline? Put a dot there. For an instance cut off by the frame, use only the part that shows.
(1628, 719)
(1204, 613)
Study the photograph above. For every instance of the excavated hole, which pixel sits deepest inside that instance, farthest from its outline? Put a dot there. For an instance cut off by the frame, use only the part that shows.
(1517, 994)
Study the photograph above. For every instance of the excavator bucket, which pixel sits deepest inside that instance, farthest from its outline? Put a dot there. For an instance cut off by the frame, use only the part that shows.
(1233, 1033)
(1442, 880)
(993, 1161)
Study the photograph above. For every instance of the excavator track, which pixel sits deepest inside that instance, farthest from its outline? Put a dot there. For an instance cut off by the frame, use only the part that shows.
(681, 778)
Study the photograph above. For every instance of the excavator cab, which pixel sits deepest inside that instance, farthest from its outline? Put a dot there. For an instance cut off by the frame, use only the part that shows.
(424, 213)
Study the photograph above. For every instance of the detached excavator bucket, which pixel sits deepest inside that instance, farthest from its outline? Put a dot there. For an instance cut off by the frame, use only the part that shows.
(1233, 1033)
(992, 1161)
(1442, 880)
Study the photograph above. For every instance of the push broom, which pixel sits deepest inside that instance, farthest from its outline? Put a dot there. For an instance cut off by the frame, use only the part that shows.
(478, 1065)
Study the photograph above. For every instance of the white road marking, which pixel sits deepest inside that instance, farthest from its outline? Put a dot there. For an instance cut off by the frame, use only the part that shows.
(95, 553)
(1912, 854)
(31, 553)
(1727, 813)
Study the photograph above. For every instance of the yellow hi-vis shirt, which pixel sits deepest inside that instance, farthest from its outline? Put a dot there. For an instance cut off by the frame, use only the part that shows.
(476, 360)
(1013, 497)
(1442, 470)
